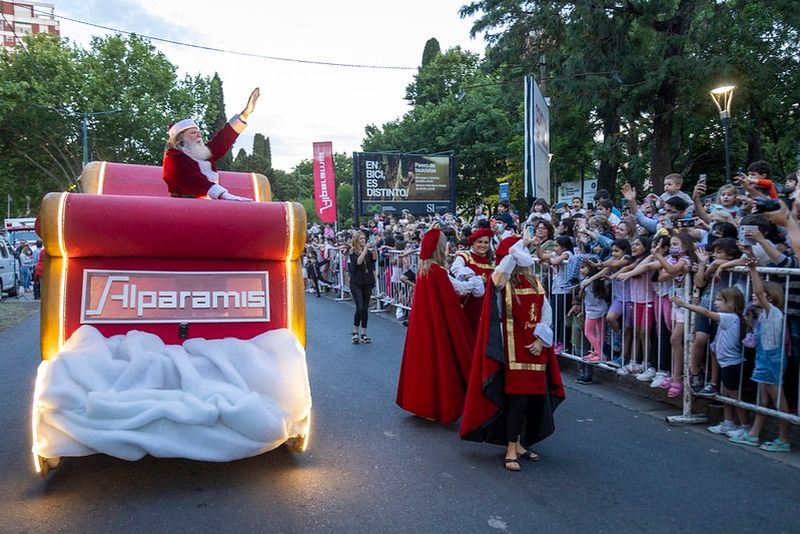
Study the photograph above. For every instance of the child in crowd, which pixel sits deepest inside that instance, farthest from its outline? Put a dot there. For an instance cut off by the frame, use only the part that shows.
(725, 202)
(595, 302)
(539, 210)
(770, 363)
(641, 294)
(576, 318)
(672, 188)
(621, 307)
(727, 346)
(561, 288)
(672, 273)
(710, 280)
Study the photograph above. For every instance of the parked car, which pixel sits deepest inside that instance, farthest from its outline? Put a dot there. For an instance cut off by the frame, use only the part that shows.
(9, 271)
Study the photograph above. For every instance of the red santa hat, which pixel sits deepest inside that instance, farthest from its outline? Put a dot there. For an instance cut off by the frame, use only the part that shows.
(429, 243)
(505, 244)
(177, 127)
(479, 233)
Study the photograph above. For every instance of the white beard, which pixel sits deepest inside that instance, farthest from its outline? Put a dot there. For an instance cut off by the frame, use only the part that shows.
(198, 151)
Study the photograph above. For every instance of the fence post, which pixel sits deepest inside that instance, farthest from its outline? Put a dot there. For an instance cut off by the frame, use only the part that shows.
(687, 417)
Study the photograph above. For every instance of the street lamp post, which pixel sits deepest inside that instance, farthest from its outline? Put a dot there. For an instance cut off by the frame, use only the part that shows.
(85, 129)
(722, 97)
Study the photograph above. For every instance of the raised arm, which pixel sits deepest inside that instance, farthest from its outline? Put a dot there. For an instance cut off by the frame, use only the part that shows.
(758, 285)
(696, 309)
(648, 264)
(517, 255)
(699, 209)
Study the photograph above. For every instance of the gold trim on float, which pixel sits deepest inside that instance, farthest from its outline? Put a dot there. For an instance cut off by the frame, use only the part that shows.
(101, 180)
(93, 177)
(295, 296)
(62, 286)
(261, 187)
(256, 191)
(513, 364)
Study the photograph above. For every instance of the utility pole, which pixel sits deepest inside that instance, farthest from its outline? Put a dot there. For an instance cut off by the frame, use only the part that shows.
(85, 129)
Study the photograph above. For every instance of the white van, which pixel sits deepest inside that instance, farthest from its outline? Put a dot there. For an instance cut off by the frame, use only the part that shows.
(9, 272)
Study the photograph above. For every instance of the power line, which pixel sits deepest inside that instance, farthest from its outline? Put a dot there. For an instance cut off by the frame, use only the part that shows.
(235, 52)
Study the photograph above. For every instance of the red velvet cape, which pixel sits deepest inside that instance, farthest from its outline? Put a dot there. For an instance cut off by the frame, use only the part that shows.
(473, 305)
(484, 417)
(437, 351)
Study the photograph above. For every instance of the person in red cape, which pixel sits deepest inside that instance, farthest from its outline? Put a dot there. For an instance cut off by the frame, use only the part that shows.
(438, 346)
(477, 261)
(190, 166)
(515, 383)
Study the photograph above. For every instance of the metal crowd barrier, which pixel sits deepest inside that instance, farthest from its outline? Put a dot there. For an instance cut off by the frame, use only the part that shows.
(650, 348)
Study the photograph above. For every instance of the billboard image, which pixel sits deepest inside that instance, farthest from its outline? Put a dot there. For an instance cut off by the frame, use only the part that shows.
(390, 183)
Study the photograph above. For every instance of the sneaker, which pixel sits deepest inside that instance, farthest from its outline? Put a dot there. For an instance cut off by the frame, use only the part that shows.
(647, 375)
(667, 383)
(723, 427)
(659, 379)
(708, 391)
(615, 362)
(585, 380)
(623, 371)
(675, 389)
(742, 428)
(633, 368)
(594, 358)
(695, 382)
(743, 437)
(776, 445)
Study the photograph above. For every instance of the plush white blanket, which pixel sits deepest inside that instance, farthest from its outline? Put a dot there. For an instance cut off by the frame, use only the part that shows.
(213, 400)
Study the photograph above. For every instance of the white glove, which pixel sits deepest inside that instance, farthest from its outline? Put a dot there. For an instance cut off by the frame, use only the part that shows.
(229, 196)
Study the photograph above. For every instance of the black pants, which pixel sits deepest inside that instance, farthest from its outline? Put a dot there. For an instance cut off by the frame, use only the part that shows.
(361, 296)
(515, 419)
(313, 275)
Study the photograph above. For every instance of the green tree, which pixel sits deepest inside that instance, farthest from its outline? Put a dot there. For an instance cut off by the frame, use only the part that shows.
(45, 92)
(215, 116)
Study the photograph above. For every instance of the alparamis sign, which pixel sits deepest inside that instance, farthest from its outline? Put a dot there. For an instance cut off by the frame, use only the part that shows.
(174, 296)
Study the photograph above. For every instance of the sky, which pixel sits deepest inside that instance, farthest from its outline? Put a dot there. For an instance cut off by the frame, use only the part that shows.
(300, 103)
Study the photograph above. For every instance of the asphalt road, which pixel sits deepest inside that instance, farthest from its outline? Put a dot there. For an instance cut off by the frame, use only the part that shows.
(373, 468)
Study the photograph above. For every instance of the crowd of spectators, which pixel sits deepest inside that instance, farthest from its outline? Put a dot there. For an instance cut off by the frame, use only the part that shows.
(628, 280)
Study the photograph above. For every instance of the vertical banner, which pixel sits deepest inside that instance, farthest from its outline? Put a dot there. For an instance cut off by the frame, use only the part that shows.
(324, 182)
(537, 142)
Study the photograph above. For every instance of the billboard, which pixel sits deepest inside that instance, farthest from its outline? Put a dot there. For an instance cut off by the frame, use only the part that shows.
(387, 182)
(537, 142)
(569, 190)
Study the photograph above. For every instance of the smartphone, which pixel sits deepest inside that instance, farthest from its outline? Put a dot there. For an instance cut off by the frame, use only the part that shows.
(686, 222)
(743, 230)
(531, 230)
(702, 179)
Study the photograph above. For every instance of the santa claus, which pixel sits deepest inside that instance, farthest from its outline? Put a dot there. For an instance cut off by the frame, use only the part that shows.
(190, 168)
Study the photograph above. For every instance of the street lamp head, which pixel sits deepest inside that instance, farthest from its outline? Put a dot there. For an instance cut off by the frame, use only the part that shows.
(723, 96)
(723, 89)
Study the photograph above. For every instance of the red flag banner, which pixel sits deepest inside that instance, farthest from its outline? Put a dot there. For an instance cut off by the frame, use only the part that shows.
(324, 182)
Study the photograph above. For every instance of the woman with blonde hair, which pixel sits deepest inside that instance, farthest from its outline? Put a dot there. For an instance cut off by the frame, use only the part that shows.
(439, 342)
(362, 280)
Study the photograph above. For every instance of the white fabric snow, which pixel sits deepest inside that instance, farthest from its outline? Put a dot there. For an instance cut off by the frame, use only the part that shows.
(132, 395)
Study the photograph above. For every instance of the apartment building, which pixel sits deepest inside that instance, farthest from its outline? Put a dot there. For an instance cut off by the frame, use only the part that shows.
(25, 18)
